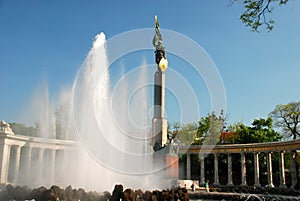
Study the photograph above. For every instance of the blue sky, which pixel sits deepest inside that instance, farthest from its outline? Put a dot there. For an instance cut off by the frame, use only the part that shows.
(51, 39)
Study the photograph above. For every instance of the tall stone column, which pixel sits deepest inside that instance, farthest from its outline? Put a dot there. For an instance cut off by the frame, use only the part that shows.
(229, 163)
(188, 166)
(40, 165)
(243, 169)
(293, 169)
(27, 168)
(159, 122)
(269, 168)
(16, 164)
(202, 170)
(52, 166)
(216, 170)
(4, 162)
(281, 170)
(256, 170)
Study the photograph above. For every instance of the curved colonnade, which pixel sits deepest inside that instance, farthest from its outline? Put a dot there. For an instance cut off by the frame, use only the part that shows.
(33, 160)
(202, 151)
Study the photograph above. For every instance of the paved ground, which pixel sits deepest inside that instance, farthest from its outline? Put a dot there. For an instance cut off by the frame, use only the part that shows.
(203, 194)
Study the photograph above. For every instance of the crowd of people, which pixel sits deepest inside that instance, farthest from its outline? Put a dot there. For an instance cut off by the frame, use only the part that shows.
(55, 193)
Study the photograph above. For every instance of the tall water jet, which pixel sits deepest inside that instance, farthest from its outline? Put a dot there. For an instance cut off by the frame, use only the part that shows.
(108, 129)
(39, 111)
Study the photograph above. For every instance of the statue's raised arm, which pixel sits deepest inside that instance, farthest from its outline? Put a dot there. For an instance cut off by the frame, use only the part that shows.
(160, 50)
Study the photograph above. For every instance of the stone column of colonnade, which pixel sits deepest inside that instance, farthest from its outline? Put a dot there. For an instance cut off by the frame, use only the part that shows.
(27, 163)
(52, 166)
(216, 170)
(4, 162)
(15, 163)
(293, 169)
(202, 170)
(281, 170)
(256, 169)
(39, 166)
(229, 166)
(62, 170)
(188, 166)
(269, 168)
(243, 169)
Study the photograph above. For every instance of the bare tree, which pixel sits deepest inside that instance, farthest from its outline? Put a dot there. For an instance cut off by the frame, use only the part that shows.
(287, 117)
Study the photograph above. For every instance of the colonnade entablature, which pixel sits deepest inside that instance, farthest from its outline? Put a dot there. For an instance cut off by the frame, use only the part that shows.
(36, 142)
(241, 148)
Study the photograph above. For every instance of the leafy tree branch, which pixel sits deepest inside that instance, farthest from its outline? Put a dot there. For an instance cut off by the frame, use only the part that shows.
(256, 13)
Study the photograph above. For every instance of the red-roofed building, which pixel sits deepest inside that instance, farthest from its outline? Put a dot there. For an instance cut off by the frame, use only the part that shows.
(227, 136)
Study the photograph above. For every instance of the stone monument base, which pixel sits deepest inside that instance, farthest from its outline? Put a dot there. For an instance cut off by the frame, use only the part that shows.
(168, 157)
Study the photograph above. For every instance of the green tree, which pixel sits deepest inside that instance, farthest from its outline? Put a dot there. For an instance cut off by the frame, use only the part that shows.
(187, 133)
(210, 129)
(22, 129)
(202, 130)
(256, 13)
(207, 130)
(260, 131)
(287, 118)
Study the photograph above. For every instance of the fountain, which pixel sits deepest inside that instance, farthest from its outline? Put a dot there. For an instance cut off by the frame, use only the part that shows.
(118, 147)
(111, 123)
